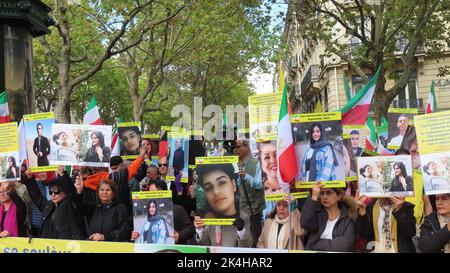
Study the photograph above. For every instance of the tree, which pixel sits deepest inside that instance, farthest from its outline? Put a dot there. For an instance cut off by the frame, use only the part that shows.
(381, 28)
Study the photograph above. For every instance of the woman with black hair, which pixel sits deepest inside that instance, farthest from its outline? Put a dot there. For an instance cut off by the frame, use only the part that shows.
(154, 230)
(401, 181)
(98, 151)
(130, 140)
(13, 170)
(217, 185)
(319, 161)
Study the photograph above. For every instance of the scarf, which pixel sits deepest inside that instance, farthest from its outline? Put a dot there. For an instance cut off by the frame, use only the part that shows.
(316, 146)
(10, 220)
(386, 238)
(276, 240)
(153, 220)
(443, 223)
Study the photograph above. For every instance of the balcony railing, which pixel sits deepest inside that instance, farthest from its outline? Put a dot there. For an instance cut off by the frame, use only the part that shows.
(408, 104)
(312, 74)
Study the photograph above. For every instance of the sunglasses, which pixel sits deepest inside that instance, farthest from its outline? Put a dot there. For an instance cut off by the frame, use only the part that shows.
(54, 192)
(162, 165)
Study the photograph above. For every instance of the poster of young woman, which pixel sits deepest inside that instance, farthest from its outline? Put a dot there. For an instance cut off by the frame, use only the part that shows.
(129, 139)
(151, 144)
(436, 173)
(217, 190)
(153, 217)
(178, 156)
(9, 152)
(384, 176)
(319, 149)
(399, 119)
(80, 145)
(38, 137)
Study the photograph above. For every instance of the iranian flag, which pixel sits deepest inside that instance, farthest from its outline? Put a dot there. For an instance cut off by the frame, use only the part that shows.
(432, 104)
(371, 142)
(355, 112)
(92, 116)
(287, 162)
(115, 139)
(4, 111)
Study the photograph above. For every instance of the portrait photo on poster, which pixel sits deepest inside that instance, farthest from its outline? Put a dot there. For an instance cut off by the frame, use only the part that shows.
(81, 145)
(130, 140)
(320, 150)
(436, 173)
(178, 156)
(398, 119)
(217, 190)
(38, 137)
(9, 166)
(385, 176)
(153, 217)
(354, 143)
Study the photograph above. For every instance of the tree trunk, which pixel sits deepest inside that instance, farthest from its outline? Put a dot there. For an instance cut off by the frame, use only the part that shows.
(63, 106)
(381, 100)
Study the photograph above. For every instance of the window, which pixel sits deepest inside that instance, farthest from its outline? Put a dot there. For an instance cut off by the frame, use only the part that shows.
(409, 97)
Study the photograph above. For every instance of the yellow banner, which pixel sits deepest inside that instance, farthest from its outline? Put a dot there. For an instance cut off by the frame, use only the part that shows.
(173, 134)
(216, 160)
(172, 129)
(182, 180)
(351, 178)
(363, 130)
(191, 166)
(393, 147)
(125, 157)
(299, 195)
(413, 111)
(310, 117)
(276, 196)
(44, 169)
(264, 111)
(9, 137)
(152, 136)
(39, 116)
(433, 132)
(219, 221)
(151, 194)
(129, 124)
(328, 184)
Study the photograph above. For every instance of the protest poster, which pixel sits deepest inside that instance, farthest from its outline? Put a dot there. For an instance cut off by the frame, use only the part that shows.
(196, 147)
(433, 132)
(354, 143)
(178, 155)
(81, 145)
(385, 176)
(319, 149)
(217, 190)
(38, 137)
(9, 152)
(399, 119)
(129, 139)
(436, 173)
(264, 110)
(151, 144)
(153, 217)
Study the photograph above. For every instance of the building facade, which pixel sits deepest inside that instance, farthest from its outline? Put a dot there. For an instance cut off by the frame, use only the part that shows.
(313, 77)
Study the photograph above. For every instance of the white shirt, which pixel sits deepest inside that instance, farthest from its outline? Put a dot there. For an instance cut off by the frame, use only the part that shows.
(328, 232)
(396, 141)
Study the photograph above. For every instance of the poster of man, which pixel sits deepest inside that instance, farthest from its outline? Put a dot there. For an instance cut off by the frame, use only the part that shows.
(436, 173)
(319, 148)
(130, 139)
(178, 156)
(81, 145)
(354, 138)
(9, 152)
(38, 135)
(385, 176)
(399, 119)
(153, 217)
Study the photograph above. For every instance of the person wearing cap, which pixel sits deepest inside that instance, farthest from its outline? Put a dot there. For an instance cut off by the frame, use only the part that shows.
(59, 215)
(435, 230)
(329, 217)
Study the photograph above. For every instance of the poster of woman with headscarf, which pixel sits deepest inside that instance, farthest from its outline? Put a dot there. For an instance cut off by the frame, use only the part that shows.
(320, 150)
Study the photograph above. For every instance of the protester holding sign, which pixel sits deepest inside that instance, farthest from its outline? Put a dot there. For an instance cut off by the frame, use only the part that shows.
(329, 216)
(12, 212)
(98, 151)
(435, 230)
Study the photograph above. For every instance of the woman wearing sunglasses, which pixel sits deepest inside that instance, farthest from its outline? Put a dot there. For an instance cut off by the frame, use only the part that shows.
(59, 216)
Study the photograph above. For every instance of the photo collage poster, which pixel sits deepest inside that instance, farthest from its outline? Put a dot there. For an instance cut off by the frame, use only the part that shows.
(9, 152)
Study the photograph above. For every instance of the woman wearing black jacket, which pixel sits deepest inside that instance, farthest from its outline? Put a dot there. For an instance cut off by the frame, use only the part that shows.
(59, 217)
(435, 230)
(330, 220)
(13, 212)
(108, 220)
(401, 181)
(398, 224)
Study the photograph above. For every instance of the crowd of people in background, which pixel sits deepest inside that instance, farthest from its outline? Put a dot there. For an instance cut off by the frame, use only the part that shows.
(95, 204)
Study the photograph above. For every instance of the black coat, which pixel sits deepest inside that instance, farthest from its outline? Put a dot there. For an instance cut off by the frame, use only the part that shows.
(314, 219)
(182, 224)
(112, 220)
(433, 238)
(44, 149)
(406, 227)
(21, 212)
(397, 185)
(10, 174)
(58, 222)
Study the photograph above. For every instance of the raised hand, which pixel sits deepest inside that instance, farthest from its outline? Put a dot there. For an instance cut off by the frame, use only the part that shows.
(316, 189)
(398, 201)
(198, 222)
(79, 184)
(361, 201)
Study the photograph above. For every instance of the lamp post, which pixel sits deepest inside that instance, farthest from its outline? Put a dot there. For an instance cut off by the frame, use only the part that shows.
(20, 22)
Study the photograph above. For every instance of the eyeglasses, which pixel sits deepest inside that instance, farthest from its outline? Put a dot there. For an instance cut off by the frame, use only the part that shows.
(160, 165)
(54, 192)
